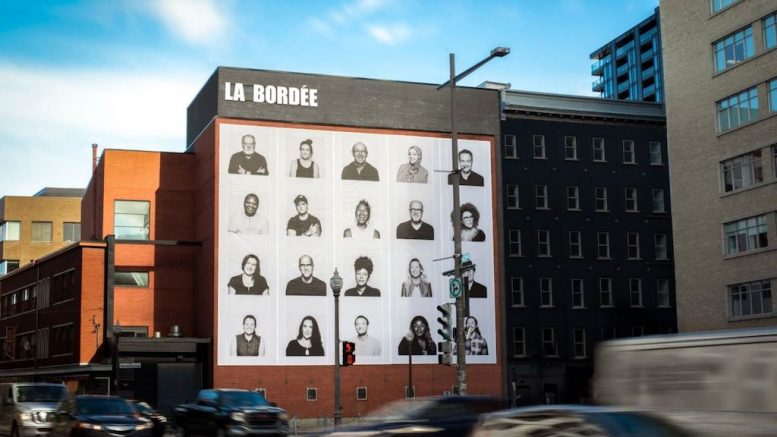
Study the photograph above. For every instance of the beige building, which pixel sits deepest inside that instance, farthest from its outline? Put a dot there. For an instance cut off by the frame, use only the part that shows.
(31, 227)
(720, 59)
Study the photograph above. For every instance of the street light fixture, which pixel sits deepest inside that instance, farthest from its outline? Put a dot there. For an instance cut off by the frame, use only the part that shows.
(336, 282)
(461, 370)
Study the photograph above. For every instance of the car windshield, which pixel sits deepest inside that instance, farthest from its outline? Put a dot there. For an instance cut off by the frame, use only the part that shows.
(103, 406)
(41, 393)
(144, 407)
(243, 399)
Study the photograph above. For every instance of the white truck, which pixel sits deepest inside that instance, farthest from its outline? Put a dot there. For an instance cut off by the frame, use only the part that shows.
(717, 382)
(27, 409)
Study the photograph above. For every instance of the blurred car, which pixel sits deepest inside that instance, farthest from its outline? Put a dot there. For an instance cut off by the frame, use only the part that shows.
(99, 416)
(230, 412)
(158, 419)
(575, 420)
(439, 416)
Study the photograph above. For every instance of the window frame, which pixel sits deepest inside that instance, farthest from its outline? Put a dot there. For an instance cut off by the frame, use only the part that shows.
(656, 153)
(748, 290)
(35, 234)
(632, 246)
(573, 198)
(513, 243)
(733, 104)
(549, 346)
(538, 147)
(517, 293)
(513, 196)
(599, 149)
(606, 291)
(661, 248)
(546, 292)
(543, 241)
(145, 233)
(570, 148)
(659, 200)
(662, 293)
(722, 5)
(603, 245)
(575, 244)
(510, 146)
(630, 152)
(739, 40)
(771, 89)
(519, 341)
(579, 349)
(741, 171)
(631, 199)
(635, 293)
(598, 199)
(5, 230)
(766, 27)
(541, 200)
(739, 231)
(577, 289)
(141, 278)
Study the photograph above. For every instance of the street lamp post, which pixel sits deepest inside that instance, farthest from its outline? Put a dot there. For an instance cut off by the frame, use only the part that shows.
(461, 371)
(336, 282)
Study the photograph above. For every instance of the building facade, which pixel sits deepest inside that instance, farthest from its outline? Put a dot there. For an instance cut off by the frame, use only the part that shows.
(587, 236)
(197, 246)
(32, 226)
(722, 132)
(630, 67)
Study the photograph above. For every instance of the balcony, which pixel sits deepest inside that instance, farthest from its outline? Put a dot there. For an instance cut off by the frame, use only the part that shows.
(646, 56)
(649, 90)
(647, 36)
(648, 73)
(598, 85)
(620, 51)
(598, 66)
(622, 70)
(623, 86)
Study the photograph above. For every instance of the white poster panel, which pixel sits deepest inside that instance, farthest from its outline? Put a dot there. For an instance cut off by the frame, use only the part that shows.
(296, 204)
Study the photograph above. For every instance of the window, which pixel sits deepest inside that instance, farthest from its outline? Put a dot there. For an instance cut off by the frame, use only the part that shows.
(7, 266)
(549, 342)
(631, 199)
(598, 147)
(62, 339)
(573, 198)
(737, 110)
(628, 152)
(519, 342)
(632, 245)
(130, 279)
(361, 393)
(311, 393)
(578, 342)
(770, 32)
(546, 292)
(605, 292)
(538, 142)
(512, 197)
(658, 200)
(131, 220)
(575, 244)
(9, 231)
(742, 171)
(635, 292)
(63, 286)
(774, 159)
(718, 5)
(71, 231)
(656, 157)
(745, 235)
(602, 244)
(733, 49)
(570, 148)
(773, 95)
(541, 196)
(514, 237)
(577, 294)
(511, 150)
(750, 299)
(662, 248)
(516, 288)
(543, 242)
(41, 231)
(662, 292)
(608, 333)
(600, 193)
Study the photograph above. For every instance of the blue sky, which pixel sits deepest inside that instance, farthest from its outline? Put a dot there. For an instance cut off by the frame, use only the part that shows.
(121, 73)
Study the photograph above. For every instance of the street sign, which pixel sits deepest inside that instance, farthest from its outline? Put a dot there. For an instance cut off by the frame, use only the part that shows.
(455, 288)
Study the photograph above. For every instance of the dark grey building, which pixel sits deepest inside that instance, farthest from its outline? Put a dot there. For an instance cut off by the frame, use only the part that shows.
(587, 236)
(630, 67)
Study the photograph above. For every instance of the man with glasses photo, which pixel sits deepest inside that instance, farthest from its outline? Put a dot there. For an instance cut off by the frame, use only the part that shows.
(415, 228)
(306, 284)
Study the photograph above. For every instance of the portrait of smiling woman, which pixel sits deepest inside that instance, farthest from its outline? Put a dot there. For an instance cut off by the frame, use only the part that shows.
(413, 171)
(250, 281)
(308, 341)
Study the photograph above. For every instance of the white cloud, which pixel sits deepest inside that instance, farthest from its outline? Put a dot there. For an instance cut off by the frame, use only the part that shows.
(50, 118)
(390, 34)
(195, 21)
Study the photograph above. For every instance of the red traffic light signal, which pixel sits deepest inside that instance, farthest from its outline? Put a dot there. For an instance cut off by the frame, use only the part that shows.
(348, 353)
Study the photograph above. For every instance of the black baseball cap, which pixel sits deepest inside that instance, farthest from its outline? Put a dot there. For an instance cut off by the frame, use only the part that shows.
(300, 198)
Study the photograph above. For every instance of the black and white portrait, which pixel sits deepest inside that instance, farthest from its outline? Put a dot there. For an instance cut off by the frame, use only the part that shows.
(474, 342)
(465, 174)
(416, 283)
(249, 220)
(362, 227)
(251, 280)
(366, 345)
(248, 161)
(413, 171)
(473, 288)
(306, 284)
(470, 219)
(304, 224)
(248, 343)
(419, 340)
(362, 271)
(415, 228)
(304, 166)
(308, 342)
(360, 169)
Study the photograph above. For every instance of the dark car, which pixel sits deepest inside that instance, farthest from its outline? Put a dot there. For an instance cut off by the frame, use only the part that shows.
(99, 416)
(575, 420)
(426, 416)
(230, 412)
(158, 419)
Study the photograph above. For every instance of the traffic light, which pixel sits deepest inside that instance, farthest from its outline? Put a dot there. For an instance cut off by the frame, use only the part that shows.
(446, 322)
(348, 353)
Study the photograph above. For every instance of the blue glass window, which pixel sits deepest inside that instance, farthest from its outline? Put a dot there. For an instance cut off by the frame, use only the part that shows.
(738, 110)
(734, 49)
